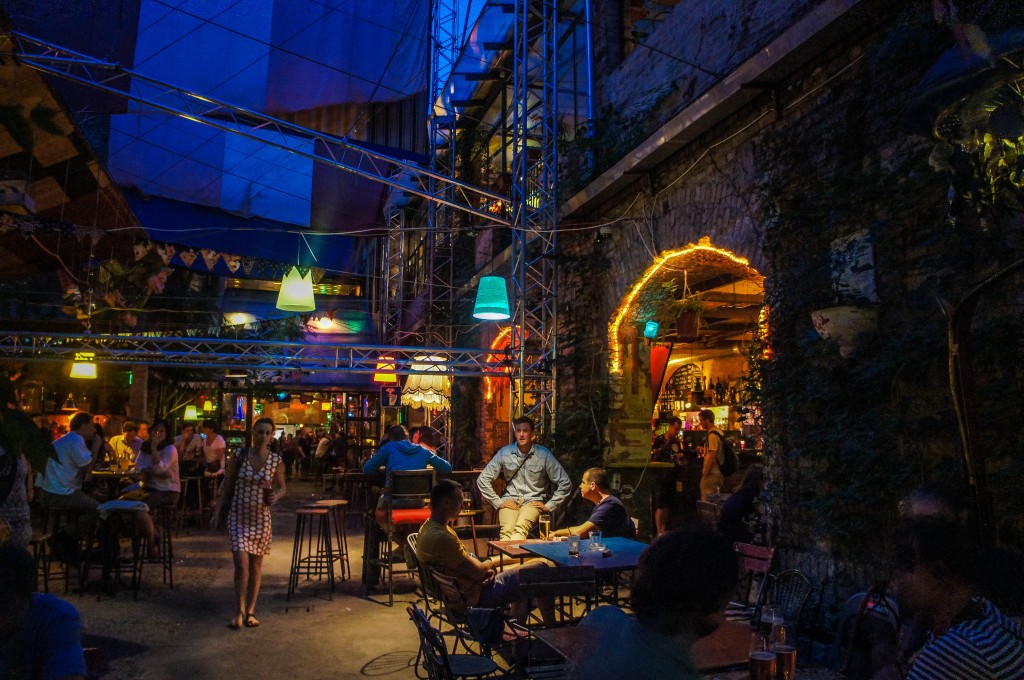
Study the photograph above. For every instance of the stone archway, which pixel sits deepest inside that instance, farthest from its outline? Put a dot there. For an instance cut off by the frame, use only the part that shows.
(732, 295)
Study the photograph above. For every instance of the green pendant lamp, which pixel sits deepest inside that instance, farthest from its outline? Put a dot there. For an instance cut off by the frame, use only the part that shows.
(296, 292)
(491, 300)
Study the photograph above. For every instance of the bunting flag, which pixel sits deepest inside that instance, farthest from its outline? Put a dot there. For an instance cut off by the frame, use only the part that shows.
(210, 257)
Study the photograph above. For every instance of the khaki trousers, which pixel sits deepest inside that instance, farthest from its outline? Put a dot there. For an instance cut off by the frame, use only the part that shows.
(516, 523)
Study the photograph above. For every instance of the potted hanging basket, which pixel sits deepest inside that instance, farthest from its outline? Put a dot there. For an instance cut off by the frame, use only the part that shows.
(845, 324)
(690, 312)
(687, 326)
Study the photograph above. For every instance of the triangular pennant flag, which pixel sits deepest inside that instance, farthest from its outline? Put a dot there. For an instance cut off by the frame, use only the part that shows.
(165, 251)
(247, 264)
(188, 256)
(142, 249)
(233, 262)
(210, 257)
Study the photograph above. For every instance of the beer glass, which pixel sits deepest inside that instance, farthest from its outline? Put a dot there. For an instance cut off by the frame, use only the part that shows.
(545, 527)
(783, 644)
(595, 540)
(762, 658)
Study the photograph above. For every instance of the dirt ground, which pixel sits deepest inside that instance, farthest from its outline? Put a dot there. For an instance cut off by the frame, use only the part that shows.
(182, 634)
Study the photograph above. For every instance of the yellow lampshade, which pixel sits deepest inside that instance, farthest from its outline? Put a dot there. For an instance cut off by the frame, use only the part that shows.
(385, 366)
(83, 366)
(296, 292)
(207, 405)
(191, 412)
(325, 406)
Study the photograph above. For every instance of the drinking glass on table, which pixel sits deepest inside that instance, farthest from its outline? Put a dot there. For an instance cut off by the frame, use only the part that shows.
(545, 527)
(783, 644)
(574, 545)
(595, 540)
(762, 658)
(769, 617)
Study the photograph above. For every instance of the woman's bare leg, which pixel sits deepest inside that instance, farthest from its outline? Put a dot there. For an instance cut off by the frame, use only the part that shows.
(241, 581)
(255, 578)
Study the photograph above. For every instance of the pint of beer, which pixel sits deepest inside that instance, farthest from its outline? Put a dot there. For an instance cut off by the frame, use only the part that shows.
(762, 666)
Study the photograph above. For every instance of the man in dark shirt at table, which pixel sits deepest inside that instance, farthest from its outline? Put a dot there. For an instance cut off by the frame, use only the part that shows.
(610, 516)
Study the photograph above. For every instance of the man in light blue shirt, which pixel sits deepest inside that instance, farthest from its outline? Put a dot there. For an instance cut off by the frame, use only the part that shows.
(528, 472)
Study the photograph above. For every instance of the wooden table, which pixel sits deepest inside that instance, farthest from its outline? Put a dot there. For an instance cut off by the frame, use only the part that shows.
(511, 549)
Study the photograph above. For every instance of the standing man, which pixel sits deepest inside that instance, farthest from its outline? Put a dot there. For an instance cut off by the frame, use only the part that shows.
(527, 472)
(609, 516)
(711, 478)
(668, 448)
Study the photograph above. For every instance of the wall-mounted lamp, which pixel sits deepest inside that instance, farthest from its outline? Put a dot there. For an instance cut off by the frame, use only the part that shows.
(491, 300)
(296, 293)
(84, 367)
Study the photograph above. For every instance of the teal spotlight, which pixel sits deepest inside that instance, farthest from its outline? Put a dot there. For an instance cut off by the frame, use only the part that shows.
(651, 330)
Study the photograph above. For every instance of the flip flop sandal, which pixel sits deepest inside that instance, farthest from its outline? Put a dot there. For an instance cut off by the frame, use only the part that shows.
(251, 621)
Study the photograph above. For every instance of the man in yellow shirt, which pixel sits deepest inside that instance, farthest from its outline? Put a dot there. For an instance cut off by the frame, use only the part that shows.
(438, 546)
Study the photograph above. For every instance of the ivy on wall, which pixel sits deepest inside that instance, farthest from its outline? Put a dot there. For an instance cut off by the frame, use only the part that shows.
(847, 439)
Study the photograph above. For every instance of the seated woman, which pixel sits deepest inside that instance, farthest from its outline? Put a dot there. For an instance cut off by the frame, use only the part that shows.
(739, 515)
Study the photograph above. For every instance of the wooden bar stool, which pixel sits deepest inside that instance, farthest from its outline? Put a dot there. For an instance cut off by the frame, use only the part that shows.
(312, 549)
(338, 509)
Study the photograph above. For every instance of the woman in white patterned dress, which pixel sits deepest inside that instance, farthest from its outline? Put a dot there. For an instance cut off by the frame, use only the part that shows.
(260, 483)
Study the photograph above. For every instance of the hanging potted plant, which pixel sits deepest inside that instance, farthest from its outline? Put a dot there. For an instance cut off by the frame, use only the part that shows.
(689, 314)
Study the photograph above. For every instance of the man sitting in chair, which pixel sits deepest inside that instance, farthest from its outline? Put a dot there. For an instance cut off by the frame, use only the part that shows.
(526, 471)
(438, 546)
(609, 515)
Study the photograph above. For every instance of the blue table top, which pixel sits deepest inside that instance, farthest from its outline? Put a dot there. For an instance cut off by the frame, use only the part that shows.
(625, 553)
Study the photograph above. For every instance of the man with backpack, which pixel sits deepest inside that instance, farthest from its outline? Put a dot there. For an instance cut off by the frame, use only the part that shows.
(719, 458)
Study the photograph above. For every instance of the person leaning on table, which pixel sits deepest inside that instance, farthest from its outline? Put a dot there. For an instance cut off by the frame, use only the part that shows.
(609, 515)
(528, 471)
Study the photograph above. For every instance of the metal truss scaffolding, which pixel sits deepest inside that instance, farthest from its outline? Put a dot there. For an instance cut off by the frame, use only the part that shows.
(534, 165)
(221, 353)
(338, 152)
(394, 273)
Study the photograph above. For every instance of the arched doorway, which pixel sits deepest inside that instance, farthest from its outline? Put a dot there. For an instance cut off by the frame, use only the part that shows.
(728, 294)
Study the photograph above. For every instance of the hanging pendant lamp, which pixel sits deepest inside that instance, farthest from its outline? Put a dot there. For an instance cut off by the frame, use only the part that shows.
(84, 367)
(491, 299)
(191, 412)
(296, 292)
(385, 371)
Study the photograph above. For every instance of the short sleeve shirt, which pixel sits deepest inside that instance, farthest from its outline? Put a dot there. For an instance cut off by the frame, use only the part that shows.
(439, 546)
(611, 517)
(64, 476)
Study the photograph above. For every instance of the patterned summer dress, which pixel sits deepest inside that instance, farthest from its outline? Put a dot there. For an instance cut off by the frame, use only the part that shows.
(249, 519)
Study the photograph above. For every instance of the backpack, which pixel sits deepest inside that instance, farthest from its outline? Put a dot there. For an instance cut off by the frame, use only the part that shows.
(727, 460)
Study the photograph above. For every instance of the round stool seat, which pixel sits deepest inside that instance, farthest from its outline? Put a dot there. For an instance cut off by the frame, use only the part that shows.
(331, 503)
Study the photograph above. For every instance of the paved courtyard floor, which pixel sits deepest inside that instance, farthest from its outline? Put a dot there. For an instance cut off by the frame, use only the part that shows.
(182, 634)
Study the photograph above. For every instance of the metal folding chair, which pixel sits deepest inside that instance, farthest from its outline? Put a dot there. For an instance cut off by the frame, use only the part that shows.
(439, 664)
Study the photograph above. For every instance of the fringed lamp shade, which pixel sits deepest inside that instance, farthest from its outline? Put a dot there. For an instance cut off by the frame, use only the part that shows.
(491, 300)
(296, 292)
(430, 388)
(83, 366)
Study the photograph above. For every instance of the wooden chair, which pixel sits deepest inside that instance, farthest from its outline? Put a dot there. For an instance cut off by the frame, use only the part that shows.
(439, 664)
(755, 561)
